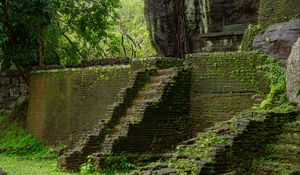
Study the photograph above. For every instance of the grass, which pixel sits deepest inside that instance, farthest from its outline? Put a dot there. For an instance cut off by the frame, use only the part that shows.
(23, 154)
(15, 165)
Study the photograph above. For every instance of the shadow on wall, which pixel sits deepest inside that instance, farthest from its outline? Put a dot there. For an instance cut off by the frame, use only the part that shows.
(65, 103)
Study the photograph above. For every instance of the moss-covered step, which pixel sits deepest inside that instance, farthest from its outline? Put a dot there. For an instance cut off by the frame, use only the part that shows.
(282, 157)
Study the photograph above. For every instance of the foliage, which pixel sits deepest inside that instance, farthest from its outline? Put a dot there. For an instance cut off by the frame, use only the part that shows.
(250, 33)
(45, 31)
(22, 26)
(15, 140)
(67, 32)
(87, 168)
(131, 26)
(82, 29)
(202, 149)
(276, 99)
(111, 166)
(119, 163)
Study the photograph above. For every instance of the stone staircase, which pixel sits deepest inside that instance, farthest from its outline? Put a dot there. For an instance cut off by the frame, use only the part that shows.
(283, 157)
(240, 154)
(136, 120)
(151, 93)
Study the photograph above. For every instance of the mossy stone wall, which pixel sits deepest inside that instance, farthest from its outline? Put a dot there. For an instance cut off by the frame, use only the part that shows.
(64, 103)
(223, 84)
(275, 11)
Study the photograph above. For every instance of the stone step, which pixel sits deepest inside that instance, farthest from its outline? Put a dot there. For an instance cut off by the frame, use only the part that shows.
(165, 71)
(166, 171)
(292, 127)
(289, 138)
(148, 94)
(276, 168)
(153, 85)
(162, 78)
(286, 152)
(230, 173)
(139, 102)
(132, 111)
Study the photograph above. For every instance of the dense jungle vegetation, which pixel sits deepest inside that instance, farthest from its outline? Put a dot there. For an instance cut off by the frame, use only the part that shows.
(61, 32)
(56, 32)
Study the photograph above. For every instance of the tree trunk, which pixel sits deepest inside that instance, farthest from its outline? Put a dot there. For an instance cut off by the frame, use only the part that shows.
(41, 46)
(166, 24)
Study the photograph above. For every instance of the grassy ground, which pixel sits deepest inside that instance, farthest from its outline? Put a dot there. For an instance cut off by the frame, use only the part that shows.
(15, 165)
(23, 152)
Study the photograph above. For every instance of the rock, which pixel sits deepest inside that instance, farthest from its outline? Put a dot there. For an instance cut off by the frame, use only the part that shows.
(165, 171)
(210, 16)
(293, 74)
(278, 39)
(2, 172)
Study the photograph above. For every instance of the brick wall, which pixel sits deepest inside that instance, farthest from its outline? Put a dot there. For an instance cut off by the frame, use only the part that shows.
(64, 103)
(92, 140)
(222, 85)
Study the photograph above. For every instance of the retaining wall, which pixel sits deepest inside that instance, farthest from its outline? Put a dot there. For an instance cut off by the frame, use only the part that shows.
(64, 103)
(222, 85)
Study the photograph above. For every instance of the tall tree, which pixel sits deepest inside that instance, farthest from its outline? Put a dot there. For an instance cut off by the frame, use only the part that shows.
(166, 23)
(36, 32)
(22, 26)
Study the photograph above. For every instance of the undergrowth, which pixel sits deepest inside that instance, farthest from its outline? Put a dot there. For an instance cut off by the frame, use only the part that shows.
(202, 149)
(276, 100)
(113, 165)
(14, 140)
(250, 33)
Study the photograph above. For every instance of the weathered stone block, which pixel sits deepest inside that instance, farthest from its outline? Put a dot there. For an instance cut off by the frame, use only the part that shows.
(293, 74)
(278, 39)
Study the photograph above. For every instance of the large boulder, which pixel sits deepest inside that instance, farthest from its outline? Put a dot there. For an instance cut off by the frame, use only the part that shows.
(293, 74)
(212, 16)
(278, 39)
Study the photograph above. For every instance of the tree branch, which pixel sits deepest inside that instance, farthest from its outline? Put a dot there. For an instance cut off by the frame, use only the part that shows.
(71, 42)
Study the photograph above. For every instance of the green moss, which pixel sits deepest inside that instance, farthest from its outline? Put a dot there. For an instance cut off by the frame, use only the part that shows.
(276, 100)
(164, 63)
(271, 12)
(16, 141)
(103, 73)
(239, 69)
(202, 149)
(250, 33)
